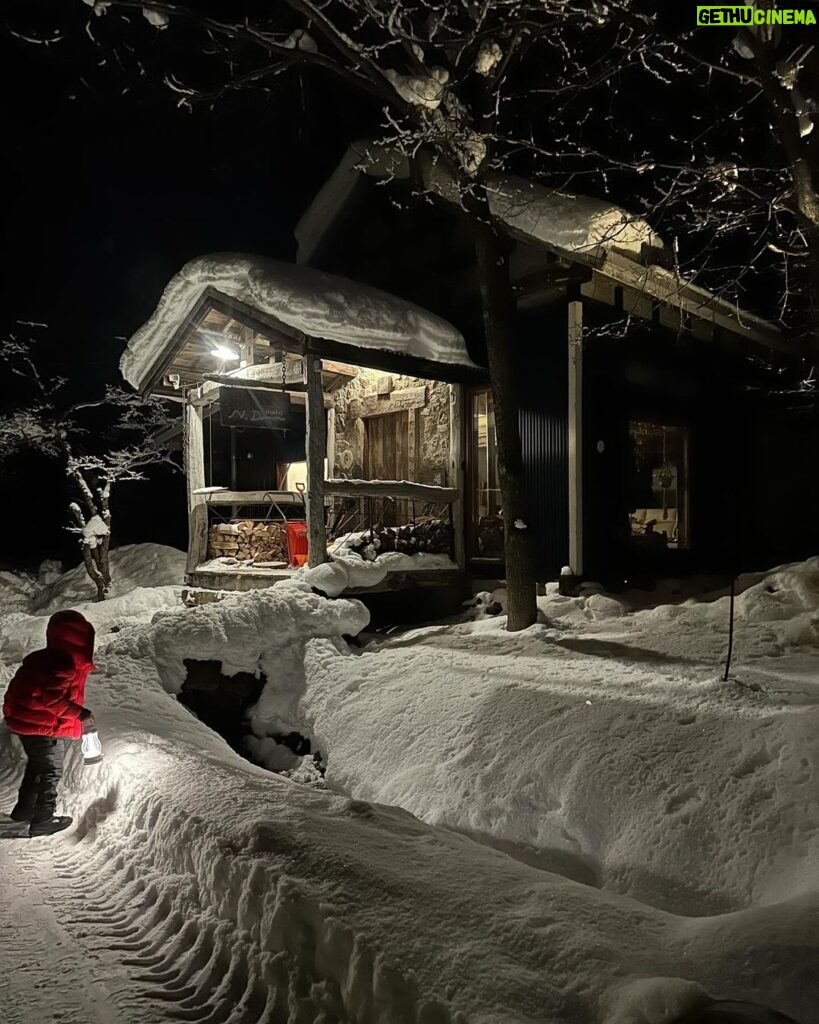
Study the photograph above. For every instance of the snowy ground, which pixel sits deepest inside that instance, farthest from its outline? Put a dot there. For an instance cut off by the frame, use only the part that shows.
(579, 824)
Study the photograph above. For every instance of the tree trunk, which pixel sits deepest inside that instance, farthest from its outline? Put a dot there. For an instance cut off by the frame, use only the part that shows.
(104, 545)
(93, 571)
(498, 309)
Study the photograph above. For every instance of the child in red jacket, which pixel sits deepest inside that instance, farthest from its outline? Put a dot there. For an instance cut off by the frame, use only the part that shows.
(44, 705)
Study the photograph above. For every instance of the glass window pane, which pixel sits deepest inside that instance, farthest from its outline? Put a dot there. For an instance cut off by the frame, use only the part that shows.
(659, 500)
(485, 496)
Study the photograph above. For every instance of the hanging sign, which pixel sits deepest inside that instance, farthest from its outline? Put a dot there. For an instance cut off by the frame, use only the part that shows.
(266, 410)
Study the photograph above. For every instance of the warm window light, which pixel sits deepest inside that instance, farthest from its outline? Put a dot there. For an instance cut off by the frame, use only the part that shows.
(223, 352)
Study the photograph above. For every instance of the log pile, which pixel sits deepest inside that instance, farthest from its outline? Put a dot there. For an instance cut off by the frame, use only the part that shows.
(248, 540)
(432, 536)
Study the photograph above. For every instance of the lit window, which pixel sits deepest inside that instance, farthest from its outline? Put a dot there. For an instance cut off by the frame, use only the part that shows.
(484, 484)
(658, 500)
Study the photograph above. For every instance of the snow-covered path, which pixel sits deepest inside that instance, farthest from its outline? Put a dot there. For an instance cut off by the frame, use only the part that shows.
(54, 967)
(46, 974)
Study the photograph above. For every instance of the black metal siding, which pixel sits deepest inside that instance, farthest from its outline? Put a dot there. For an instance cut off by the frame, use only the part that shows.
(540, 341)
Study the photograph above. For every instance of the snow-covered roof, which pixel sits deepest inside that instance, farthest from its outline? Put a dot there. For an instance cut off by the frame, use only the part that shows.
(318, 304)
(567, 223)
(616, 243)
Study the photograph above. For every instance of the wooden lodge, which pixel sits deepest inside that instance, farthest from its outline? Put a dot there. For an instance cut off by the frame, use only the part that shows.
(318, 409)
(652, 443)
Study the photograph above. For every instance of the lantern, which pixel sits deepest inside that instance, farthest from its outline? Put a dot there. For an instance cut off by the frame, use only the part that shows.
(91, 747)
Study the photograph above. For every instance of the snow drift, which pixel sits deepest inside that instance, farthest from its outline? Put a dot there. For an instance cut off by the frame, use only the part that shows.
(132, 565)
(145, 579)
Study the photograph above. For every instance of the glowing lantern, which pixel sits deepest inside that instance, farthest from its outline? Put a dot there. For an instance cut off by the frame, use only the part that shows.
(91, 747)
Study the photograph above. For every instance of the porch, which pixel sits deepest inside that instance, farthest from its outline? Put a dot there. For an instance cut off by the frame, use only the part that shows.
(300, 449)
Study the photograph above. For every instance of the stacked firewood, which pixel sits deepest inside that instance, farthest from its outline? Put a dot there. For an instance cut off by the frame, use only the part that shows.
(247, 540)
(431, 535)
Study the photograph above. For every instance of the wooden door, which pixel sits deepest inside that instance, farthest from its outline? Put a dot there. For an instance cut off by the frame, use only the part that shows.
(386, 457)
(386, 448)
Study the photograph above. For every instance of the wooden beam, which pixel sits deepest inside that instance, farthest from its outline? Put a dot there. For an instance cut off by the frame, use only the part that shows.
(300, 398)
(226, 381)
(663, 285)
(575, 342)
(288, 338)
(413, 440)
(316, 454)
(178, 339)
(342, 369)
(396, 401)
(389, 489)
(457, 469)
(194, 466)
(224, 496)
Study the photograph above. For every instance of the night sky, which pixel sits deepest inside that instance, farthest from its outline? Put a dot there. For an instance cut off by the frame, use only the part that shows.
(111, 187)
(106, 196)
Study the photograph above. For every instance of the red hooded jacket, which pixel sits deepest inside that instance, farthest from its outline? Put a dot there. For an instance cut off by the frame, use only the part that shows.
(45, 697)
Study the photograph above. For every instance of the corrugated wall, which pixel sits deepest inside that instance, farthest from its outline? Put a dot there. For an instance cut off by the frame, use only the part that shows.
(540, 338)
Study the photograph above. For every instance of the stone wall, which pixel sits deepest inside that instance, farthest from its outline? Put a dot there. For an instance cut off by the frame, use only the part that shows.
(426, 404)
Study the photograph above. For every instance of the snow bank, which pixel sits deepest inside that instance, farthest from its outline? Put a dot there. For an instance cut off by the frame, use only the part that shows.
(231, 888)
(146, 578)
(587, 754)
(21, 633)
(321, 305)
(602, 831)
(17, 590)
(602, 746)
(132, 566)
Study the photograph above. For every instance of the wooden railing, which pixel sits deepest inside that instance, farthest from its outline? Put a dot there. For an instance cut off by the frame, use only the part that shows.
(390, 489)
(223, 496)
(401, 508)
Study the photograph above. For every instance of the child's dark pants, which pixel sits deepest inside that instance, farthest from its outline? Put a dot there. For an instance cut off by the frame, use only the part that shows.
(37, 799)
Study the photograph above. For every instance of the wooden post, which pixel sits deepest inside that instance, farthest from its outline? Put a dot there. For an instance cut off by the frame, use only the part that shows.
(457, 469)
(331, 442)
(316, 454)
(575, 335)
(194, 467)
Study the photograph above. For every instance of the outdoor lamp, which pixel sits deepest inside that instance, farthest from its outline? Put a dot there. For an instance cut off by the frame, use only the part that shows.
(224, 352)
(91, 747)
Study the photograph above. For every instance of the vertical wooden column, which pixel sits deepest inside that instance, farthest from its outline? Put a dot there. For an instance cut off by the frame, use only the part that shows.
(575, 335)
(457, 469)
(194, 467)
(331, 442)
(316, 453)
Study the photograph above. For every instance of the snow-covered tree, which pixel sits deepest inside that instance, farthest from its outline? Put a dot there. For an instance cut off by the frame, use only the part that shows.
(100, 443)
(707, 132)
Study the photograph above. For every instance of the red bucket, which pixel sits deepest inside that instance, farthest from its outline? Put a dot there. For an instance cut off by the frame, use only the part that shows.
(297, 541)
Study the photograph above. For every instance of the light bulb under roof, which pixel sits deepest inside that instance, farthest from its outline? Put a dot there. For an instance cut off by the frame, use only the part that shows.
(224, 352)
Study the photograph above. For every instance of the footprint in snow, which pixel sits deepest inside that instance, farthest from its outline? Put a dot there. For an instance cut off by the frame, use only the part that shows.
(687, 799)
